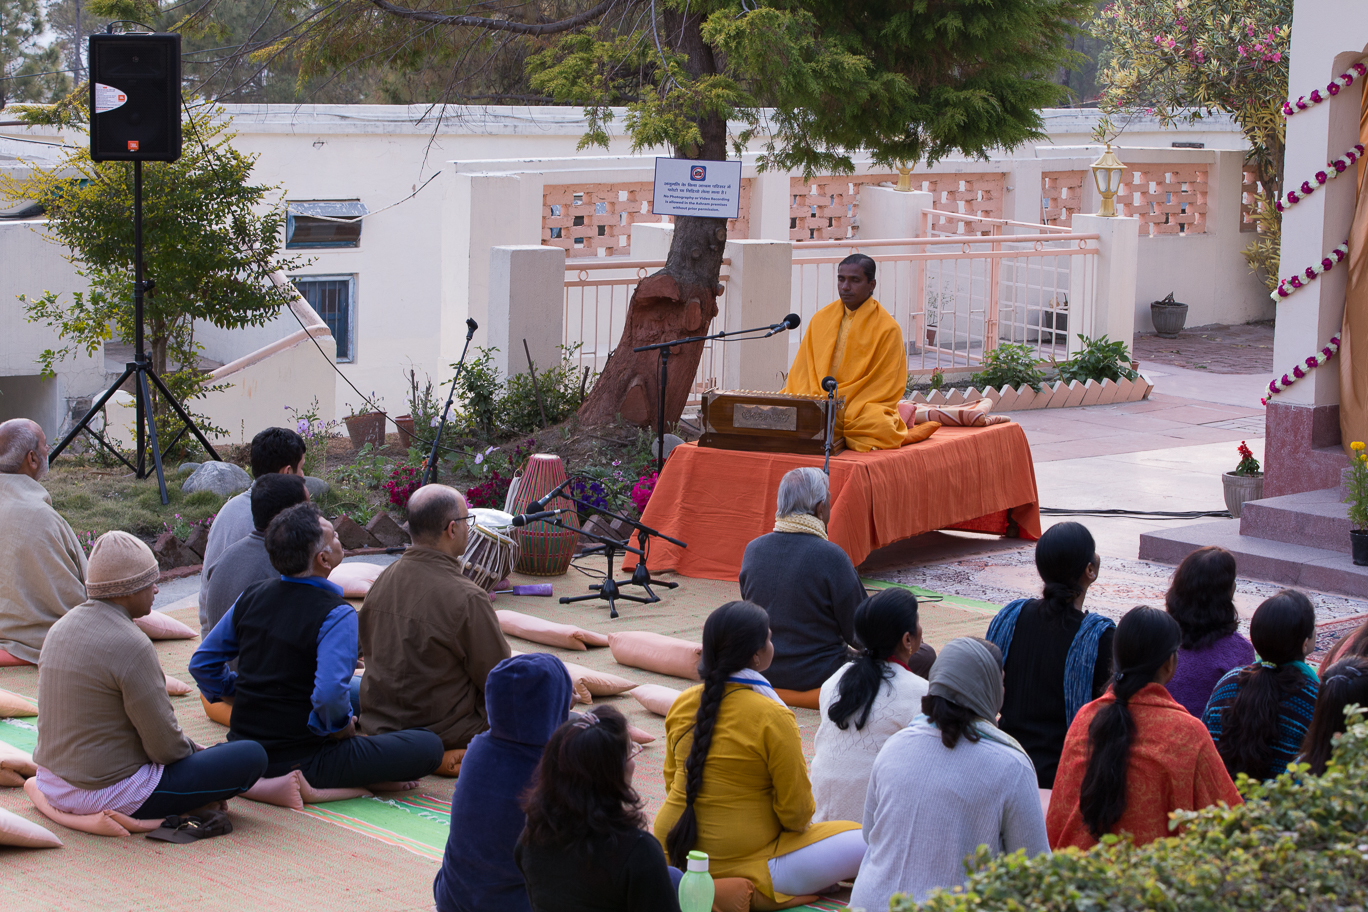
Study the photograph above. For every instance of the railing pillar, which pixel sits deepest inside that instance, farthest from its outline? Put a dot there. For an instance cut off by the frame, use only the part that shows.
(526, 301)
(759, 289)
(1108, 307)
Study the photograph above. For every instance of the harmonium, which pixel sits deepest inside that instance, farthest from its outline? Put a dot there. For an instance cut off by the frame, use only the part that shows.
(769, 422)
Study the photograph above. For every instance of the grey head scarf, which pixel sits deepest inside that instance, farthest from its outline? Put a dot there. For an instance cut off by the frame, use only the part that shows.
(968, 672)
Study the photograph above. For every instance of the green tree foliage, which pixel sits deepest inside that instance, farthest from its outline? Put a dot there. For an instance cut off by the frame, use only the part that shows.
(30, 71)
(1298, 844)
(1184, 59)
(210, 240)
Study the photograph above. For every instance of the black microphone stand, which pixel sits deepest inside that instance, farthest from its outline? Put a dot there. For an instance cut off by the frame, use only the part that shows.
(429, 469)
(608, 589)
(829, 384)
(664, 349)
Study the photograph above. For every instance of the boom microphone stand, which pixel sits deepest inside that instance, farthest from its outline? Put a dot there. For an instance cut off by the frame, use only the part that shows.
(428, 469)
(789, 322)
(141, 368)
(829, 384)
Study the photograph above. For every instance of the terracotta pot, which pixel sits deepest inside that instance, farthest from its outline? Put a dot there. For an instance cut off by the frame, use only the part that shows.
(406, 436)
(1168, 318)
(930, 335)
(1358, 545)
(367, 428)
(1240, 489)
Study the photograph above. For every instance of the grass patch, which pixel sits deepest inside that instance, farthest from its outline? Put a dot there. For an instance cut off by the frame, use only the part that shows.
(94, 501)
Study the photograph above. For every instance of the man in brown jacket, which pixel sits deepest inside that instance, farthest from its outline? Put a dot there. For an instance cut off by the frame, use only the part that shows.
(428, 634)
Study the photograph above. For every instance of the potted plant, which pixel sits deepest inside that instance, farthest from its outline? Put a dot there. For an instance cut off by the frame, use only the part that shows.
(1357, 498)
(1243, 484)
(365, 424)
(932, 316)
(1169, 316)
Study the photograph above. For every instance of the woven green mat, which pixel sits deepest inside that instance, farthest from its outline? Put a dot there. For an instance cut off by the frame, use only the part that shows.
(20, 733)
(418, 823)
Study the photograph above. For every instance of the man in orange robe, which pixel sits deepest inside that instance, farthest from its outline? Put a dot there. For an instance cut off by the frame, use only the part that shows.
(860, 344)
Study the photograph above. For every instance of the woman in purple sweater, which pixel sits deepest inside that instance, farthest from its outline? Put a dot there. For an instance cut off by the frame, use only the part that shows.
(1201, 600)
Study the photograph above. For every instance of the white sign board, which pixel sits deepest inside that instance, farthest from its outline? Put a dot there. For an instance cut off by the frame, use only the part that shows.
(686, 186)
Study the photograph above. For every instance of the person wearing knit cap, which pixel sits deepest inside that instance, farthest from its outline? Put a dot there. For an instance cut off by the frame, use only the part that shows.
(107, 737)
(948, 783)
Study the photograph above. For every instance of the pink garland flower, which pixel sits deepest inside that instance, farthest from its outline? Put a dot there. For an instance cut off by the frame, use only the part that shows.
(1343, 80)
(1290, 284)
(1335, 169)
(1315, 361)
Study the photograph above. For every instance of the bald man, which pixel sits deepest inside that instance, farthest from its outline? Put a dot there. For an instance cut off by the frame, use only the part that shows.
(42, 563)
(428, 634)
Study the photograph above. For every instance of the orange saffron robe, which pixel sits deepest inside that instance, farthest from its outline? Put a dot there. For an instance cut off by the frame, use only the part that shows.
(864, 351)
(1174, 766)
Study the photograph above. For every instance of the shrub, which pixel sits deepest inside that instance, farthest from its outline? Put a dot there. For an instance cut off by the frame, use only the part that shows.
(559, 386)
(1010, 364)
(1298, 843)
(1099, 360)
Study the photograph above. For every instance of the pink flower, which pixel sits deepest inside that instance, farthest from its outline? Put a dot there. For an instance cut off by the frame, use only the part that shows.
(1360, 69)
(1328, 263)
(1277, 57)
(1339, 165)
(1301, 103)
(1279, 206)
(1307, 188)
(1298, 372)
(1310, 273)
(1292, 196)
(1316, 96)
(1286, 382)
(1295, 282)
(1339, 258)
(1312, 362)
(1321, 177)
(1332, 88)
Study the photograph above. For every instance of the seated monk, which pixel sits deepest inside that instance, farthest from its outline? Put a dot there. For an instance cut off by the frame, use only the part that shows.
(860, 344)
(295, 641)
(107, 736)
(810, 590)
(246, 561)
(429, 635)
(41, 560)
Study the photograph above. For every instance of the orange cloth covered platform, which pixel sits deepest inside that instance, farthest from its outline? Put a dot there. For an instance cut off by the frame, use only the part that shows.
(717, 501)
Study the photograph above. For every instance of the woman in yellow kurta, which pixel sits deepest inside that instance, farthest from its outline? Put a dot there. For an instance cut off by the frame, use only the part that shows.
(859, 343)
(741, 793)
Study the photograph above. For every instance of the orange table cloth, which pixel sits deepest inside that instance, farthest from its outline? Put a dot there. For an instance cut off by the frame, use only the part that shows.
(717, 501)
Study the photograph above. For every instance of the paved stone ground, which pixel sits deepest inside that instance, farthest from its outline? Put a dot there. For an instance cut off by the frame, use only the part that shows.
(1221, 349)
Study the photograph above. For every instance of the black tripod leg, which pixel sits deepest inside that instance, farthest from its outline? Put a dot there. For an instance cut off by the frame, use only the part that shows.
(81, 425)
(184, 416)
(152, 433)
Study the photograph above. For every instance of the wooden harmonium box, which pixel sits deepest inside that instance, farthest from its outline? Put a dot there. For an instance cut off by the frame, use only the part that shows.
(768, 422)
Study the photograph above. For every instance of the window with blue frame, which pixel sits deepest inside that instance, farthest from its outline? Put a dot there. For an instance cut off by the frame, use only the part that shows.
(334, 299)
(324, 223)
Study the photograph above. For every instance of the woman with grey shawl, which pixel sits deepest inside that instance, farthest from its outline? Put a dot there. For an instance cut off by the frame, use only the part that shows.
(948, 783)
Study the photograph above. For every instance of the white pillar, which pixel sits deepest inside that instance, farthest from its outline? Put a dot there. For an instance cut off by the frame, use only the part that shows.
(758, 292)
(770, 202)
(1025, 189)
(888, 213)
(1112, 310)
(526, 301)
(651, 240)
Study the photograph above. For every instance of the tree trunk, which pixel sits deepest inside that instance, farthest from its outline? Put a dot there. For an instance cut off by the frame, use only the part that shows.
(678, 301)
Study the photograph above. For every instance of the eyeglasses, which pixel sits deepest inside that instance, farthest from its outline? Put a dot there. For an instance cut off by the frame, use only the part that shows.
(468, 519)
(634, 750)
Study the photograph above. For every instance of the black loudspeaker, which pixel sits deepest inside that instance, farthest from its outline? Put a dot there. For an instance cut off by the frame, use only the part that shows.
(135, 97)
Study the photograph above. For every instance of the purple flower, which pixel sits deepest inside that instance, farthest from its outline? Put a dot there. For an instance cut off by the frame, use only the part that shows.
(1321, 177)
(1328, 263)
(1316, 96)
(1339, 165)
(303, 427)
(1332, 89)
(1298, 372)
(1307, 188)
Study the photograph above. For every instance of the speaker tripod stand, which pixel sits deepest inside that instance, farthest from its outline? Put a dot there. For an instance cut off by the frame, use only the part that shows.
(140, 368)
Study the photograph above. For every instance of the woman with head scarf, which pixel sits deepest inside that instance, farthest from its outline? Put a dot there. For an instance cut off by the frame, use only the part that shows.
(948, 783)
(1135, 755)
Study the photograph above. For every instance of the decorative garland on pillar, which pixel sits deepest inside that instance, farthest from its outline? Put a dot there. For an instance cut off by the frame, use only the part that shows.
(1290, 284)
(1333, 169)
(1343, 80)
(1313, 362)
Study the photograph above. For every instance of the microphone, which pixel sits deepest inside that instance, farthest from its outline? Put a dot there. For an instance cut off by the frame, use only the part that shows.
(523, 519)
(829, 384)
(471, 326)
(789, 322)
(550, 496)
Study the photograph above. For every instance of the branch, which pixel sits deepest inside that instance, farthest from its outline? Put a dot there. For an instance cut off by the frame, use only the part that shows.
(500, 25)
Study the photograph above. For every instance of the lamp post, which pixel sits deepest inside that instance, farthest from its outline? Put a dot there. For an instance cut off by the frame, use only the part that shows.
(1107, 171)
(904, 178)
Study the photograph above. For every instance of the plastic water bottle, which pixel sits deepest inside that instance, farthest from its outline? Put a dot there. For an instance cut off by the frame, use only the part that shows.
(696, 889)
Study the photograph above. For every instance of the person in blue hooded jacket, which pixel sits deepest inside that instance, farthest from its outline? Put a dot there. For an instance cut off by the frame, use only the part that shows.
(527, 697)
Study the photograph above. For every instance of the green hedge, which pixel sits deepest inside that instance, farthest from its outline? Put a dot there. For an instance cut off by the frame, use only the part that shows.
(1297, 844)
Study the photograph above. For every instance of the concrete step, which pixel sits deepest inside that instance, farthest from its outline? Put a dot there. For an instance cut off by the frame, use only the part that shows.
(1290, 564)
(1316, 519)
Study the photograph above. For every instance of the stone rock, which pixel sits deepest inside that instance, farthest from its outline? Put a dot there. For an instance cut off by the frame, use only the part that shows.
(171, 553)
(185, 468)
(223, 478)
(352, 535)
(197, 541)
(316, 487)
(384, 529)
(671, 441)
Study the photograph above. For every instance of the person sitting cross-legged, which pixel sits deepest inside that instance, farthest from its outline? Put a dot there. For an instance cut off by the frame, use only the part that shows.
(41, 560)
(108, 739)
(810, 590)
(429, 635)
(275, 450)
(295, 642)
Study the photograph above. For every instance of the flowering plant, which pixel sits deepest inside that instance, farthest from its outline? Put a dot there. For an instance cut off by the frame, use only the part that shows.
(490, 493)
(315, 432)
(182, 528)
(641, 492)
(1248, 464)
(1357, 497)
(403, 481)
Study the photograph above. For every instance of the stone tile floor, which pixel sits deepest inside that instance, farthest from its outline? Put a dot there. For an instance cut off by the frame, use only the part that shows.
(1221, 349)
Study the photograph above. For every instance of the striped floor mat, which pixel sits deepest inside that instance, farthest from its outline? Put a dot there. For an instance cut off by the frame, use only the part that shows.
(418, 823)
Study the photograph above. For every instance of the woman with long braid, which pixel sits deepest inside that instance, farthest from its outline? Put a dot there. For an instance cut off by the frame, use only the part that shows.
(1056, 656)
(735, 775)
(1135, 755)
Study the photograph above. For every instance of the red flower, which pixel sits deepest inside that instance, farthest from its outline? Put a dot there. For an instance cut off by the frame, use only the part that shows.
(1332, 88)
(1321, 177)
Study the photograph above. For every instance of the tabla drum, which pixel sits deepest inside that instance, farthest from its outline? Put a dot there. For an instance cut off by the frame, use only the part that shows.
(491, 550)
